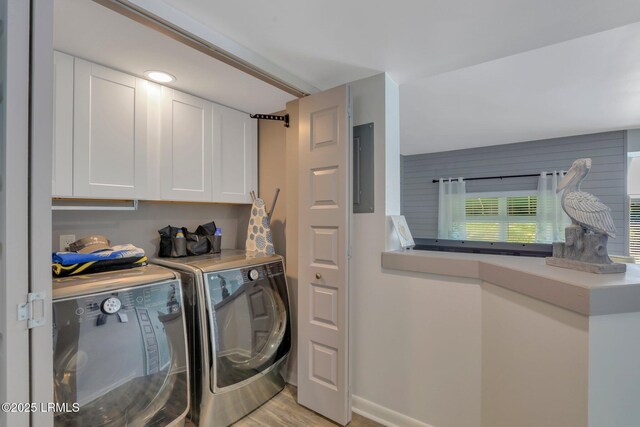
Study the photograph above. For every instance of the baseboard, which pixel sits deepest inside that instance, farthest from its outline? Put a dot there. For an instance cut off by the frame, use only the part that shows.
(382, 415)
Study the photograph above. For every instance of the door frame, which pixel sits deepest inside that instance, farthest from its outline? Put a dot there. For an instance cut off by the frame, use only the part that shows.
(40, 214)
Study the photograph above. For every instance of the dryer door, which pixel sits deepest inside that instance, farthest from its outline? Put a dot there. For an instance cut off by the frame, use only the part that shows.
(250, 324)
(120, 357)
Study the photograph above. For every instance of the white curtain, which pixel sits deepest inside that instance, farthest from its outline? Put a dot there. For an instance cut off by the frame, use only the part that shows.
(451, 212)
(551, 218)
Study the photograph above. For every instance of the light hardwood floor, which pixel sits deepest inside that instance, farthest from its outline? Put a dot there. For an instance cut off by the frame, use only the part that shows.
(284, 411)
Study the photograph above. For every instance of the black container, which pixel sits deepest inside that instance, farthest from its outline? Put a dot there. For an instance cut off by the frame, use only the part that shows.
(216, 244)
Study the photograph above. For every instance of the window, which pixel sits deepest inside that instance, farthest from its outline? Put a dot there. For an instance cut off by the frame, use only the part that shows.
(634, 229)
(501, 217)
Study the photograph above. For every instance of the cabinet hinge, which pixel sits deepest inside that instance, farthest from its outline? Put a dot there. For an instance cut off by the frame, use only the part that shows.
(27, 310)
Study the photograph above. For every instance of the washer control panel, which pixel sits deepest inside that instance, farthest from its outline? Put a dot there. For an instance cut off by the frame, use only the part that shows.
(261, 272)
(111, 305)
(254, 275)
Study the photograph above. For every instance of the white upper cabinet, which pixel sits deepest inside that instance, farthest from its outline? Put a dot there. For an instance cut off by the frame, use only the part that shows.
(235, 145)
(154, 142)
(117, 136)
(186, 148)
(109, 159)
(62, 184)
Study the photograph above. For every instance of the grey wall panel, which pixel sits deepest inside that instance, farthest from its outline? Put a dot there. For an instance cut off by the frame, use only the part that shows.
(606, 179)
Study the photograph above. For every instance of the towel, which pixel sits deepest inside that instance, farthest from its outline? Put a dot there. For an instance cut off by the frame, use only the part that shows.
(60, 270)
(116, 252)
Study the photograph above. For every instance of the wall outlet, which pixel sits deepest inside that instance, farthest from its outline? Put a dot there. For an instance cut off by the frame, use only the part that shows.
(66, 240)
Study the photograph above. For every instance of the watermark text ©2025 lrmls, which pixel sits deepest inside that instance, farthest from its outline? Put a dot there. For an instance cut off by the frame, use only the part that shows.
(40, 407)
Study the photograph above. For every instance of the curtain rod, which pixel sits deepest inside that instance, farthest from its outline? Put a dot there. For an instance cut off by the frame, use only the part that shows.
(500, 177)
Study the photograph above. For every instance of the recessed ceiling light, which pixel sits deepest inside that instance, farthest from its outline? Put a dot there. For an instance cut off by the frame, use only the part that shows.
(160, 76)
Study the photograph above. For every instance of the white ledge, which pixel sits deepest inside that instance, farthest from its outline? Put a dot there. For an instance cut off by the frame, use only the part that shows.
(585, 293)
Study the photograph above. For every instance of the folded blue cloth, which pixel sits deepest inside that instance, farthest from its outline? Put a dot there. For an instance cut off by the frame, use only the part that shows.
(116, 252)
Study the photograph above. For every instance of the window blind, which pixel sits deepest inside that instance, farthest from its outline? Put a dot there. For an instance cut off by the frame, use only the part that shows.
(502, 218)
(634, 229)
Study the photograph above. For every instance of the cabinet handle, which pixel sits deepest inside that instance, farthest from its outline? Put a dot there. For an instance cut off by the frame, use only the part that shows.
(318, 276)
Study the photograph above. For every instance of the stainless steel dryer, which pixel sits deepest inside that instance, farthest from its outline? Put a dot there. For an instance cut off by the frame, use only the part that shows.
(120, 349)
(239, 331)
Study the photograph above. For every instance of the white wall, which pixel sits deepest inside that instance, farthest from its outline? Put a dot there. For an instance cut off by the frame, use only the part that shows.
(534, 362)
(415, 339)
(417, 349)
(614, 370)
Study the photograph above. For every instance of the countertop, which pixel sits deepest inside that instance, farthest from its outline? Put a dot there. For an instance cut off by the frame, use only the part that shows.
(585, 293)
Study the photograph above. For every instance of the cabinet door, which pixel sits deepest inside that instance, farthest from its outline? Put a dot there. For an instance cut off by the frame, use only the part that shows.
(186, 156)
(154, 142)
(62, 170)
(109, 133)
(235, 155)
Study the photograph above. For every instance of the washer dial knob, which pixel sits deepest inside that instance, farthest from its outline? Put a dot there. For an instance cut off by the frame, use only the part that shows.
(111, 305)
(254, 275)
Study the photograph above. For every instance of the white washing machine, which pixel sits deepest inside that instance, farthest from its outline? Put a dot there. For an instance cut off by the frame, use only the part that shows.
(120, 349)
(239, 332)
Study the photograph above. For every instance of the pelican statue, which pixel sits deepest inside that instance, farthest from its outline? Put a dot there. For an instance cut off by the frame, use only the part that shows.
(584, 209)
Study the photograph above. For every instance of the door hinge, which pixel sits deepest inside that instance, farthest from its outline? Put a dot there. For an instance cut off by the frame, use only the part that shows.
(27, 310)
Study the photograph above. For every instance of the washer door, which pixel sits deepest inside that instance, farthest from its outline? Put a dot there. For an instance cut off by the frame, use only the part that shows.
(121, 357)
(249, 322)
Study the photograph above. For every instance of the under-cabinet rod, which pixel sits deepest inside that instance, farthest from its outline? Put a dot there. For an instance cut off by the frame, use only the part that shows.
(133, 207)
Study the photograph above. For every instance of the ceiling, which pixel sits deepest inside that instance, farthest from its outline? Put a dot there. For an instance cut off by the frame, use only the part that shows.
(335, 41)
(471, 73)
(88, 30)
(586, 85)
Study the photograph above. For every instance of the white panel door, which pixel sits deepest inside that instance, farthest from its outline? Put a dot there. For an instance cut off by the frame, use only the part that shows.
(323, 290)
(109, 133)
(186, 157)
(14, 203)
(235, 155)
(62, 172)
